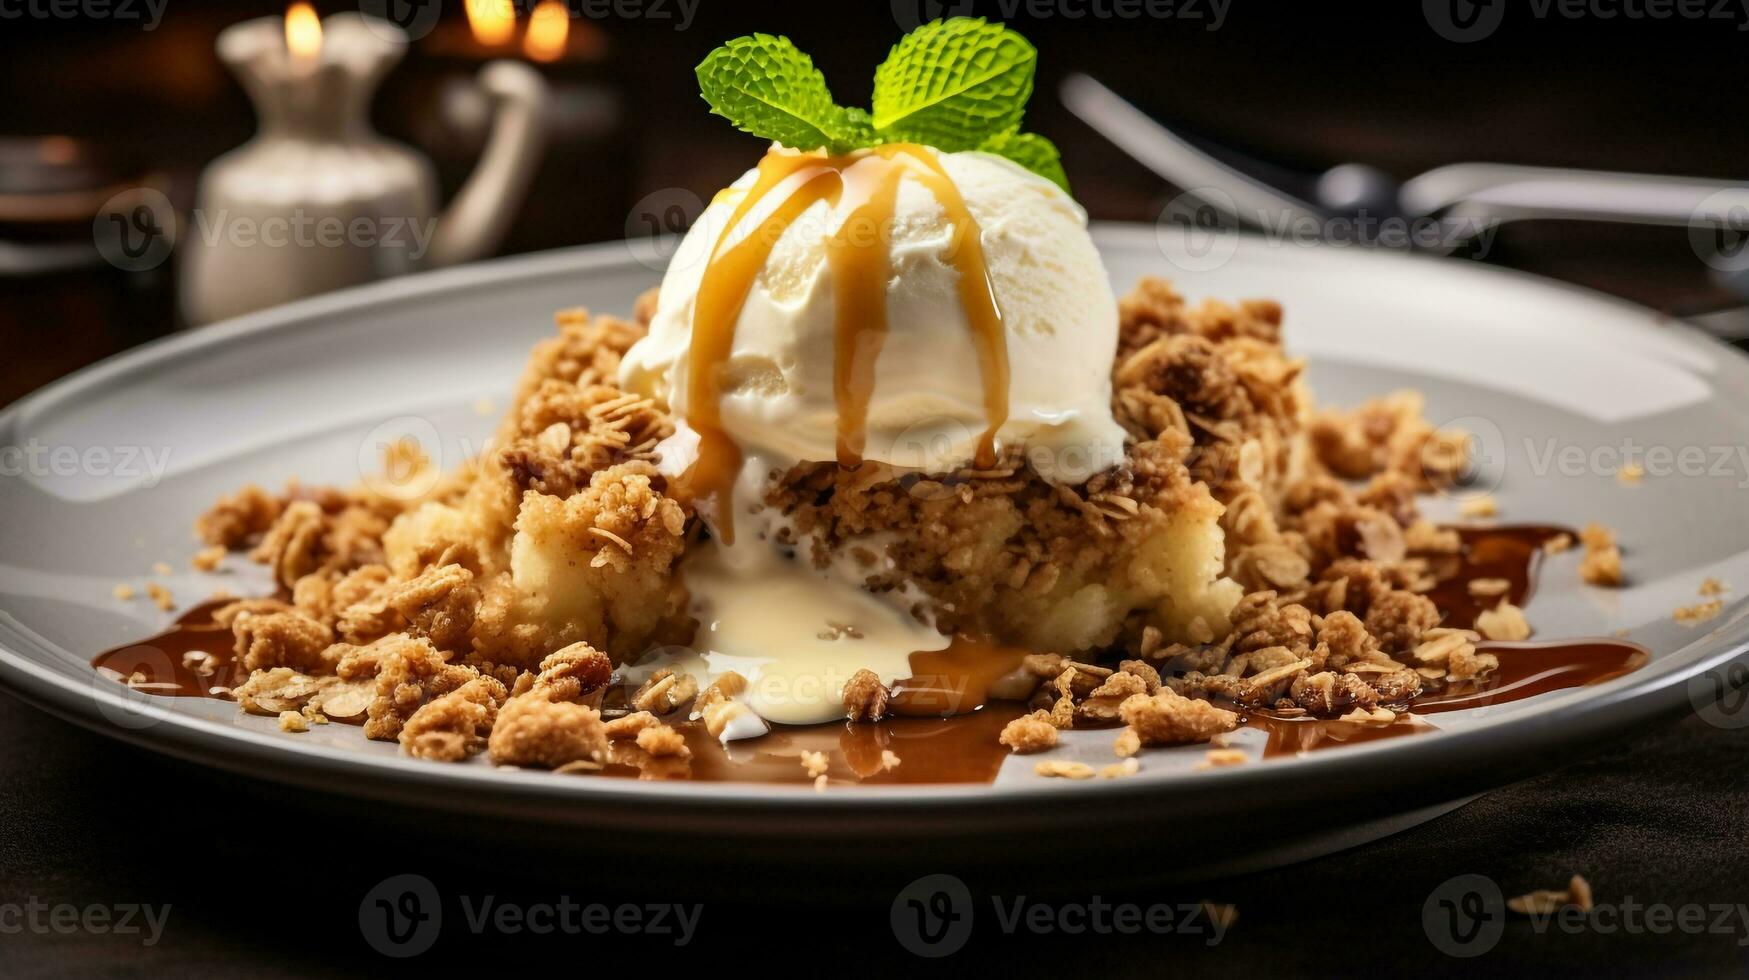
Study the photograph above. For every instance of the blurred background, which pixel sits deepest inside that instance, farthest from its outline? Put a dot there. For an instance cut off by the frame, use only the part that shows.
(105, 95)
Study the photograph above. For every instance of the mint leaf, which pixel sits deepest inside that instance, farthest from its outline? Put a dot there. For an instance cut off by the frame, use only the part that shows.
(951, 83)
(766, 86)
(1031, 151)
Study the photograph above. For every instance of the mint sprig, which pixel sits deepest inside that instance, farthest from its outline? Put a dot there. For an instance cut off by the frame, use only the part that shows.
(768, 87)
(955, 84)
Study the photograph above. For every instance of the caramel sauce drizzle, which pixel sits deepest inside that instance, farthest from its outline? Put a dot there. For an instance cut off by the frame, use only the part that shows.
(866, 184)
(954, 680)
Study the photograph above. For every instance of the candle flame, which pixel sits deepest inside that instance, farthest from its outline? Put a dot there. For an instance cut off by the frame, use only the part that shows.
(548, 27)
(492, 21)
(303, 31)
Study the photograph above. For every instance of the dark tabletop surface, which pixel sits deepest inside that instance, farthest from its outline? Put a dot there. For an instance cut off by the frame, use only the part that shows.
(250, 882)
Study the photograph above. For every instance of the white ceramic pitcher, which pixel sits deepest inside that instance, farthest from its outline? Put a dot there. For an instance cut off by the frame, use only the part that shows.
(317, 200)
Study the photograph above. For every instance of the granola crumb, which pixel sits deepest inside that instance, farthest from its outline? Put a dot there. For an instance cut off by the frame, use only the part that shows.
(124, 592)
(1128, 743)
(1595, 535)
(664, 692)
(1630, 474)
(889, 760)
(162, 568)
(1579, 892)
(1602, 562)
(1370, 716)
(1482, 506)
(1601, 567)
(1118, 770)
(629, 727)
(1168, 718)
(662, 741)
(532, 731)
(1559, 543)
(160, 596)
(1058, 769)
(1503, 622)
(865, 697)
(1714, 587)
(1029, 733)
(485, 407)
(815, 764)
(293, 721)
(1546, 901)
(208, 559)
(820, 783)
(1219, 758)
(1698, 613)
(1484, 588)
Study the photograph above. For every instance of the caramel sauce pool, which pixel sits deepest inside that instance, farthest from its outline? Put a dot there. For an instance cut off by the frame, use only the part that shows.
(162, 660)
(944, 724)
(1511, 552)
(866, 186)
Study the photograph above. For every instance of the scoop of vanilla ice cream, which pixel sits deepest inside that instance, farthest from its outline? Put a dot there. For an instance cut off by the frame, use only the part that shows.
(927, 407)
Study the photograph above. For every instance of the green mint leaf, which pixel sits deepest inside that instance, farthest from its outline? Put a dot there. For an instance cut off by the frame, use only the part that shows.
(766, 86)
(1031, 151)
(951, 83)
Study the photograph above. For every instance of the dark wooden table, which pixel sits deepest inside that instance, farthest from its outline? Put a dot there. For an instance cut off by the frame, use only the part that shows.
(258, 884)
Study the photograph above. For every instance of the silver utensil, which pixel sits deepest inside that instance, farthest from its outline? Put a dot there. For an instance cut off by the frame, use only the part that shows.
(1458, 201)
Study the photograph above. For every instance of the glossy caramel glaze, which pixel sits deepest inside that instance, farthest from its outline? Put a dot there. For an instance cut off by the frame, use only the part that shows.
(944, 726)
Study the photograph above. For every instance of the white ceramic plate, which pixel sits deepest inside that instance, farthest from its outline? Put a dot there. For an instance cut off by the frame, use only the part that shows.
(1557, 381)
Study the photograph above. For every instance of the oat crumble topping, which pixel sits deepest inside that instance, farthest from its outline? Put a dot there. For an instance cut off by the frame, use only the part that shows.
(1249, 549)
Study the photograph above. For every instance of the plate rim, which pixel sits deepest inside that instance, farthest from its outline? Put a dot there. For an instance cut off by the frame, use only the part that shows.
(1575, 716)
